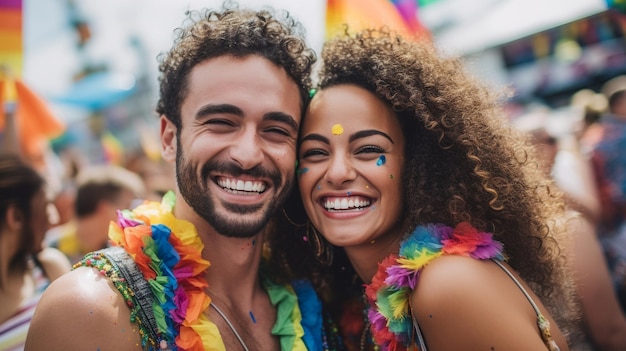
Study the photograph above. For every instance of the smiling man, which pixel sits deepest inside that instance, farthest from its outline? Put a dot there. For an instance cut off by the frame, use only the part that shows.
(232, 92)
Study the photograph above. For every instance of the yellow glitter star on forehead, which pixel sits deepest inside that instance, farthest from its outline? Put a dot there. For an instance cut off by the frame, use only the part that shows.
(337, 129)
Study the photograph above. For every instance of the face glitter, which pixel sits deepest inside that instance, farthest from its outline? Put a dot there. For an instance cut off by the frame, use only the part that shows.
(337, 129)
(381, 160)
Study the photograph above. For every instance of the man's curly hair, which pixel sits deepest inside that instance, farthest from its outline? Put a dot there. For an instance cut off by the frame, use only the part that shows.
(464, 162)
(238, 32)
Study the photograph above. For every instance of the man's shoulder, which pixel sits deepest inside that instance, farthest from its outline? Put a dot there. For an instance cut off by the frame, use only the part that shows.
(81, 310)
(80, 288)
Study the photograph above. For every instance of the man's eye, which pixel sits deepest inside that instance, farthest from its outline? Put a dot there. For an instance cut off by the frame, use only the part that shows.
(218, 122)
(279, 131)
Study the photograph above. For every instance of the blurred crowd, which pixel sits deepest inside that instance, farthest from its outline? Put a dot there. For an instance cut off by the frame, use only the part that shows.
(53, 213)
(582, 148)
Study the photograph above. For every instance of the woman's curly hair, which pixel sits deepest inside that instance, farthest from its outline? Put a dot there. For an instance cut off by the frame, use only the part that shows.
(464, 162)
(238, 32)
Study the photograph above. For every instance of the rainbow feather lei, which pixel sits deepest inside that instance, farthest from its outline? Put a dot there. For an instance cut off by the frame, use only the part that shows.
(397, 276)
(168, 252)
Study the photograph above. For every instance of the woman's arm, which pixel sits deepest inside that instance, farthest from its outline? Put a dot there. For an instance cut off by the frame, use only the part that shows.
(466, 304)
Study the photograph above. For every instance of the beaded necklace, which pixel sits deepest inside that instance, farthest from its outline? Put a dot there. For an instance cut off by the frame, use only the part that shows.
(389, 292)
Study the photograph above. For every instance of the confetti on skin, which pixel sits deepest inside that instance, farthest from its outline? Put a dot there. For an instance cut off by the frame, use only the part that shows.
(337, 129)
(252, 317)
(367, 187)
(391, 176)
(348, 193)
(373, 241)
(303, 170)
(381, 160)
(373, 207)
(253, 242)
(319, 187)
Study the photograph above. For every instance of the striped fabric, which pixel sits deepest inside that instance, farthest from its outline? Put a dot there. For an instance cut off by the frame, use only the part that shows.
(13, 331)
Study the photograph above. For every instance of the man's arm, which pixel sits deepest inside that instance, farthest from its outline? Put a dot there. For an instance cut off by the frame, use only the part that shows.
(80, 311)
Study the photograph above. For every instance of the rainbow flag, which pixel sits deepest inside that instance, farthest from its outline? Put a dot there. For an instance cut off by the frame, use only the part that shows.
(397, 15)
(34, 122)
(112, 148)
(11, 35)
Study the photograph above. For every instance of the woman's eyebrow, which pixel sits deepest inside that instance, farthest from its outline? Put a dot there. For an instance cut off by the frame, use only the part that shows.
(315, 137)
(368, 132)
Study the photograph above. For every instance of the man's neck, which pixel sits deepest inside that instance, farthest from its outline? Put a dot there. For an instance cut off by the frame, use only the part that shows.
(233, 274)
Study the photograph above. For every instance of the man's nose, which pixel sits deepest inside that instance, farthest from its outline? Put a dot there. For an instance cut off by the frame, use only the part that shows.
(246, 149)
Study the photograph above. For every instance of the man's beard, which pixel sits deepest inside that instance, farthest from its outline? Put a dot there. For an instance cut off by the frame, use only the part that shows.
(197, 194)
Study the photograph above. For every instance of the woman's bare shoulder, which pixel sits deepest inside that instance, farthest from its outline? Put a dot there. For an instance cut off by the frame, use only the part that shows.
(478, 301)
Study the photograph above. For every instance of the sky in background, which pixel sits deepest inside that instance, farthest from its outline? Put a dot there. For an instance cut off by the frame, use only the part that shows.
(50, 42)
(118, 26)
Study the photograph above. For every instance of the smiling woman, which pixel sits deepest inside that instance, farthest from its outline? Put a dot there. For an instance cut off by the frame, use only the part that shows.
(436, 202)
(349, 194)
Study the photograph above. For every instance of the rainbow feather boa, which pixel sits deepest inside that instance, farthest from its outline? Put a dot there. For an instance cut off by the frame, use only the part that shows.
(168, 252)
(397, 276)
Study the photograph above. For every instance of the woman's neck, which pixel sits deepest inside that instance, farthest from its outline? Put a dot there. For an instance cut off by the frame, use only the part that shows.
(366, 257)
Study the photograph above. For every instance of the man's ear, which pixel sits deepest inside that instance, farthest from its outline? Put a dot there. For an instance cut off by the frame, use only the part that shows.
(168, 139)
(14, 218)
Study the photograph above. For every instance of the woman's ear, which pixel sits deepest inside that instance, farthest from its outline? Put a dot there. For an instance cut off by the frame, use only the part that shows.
(14, 218)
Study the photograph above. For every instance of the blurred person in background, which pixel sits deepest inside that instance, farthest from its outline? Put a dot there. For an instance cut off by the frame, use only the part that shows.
(605, 142)
(100, 191)
(602, 319)
(26, 267)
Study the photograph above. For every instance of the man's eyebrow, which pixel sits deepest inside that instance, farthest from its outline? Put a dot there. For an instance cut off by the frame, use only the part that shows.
(211, 109)
(368, 132)
(315, 137)
(282, 117)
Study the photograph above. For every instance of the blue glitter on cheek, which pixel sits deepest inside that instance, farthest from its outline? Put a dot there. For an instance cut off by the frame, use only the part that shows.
(303, 170)
(319, 187)
(381, 160)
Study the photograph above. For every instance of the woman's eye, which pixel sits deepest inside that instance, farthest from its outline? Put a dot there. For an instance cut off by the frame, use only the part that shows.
(313, 153)
(370, 149)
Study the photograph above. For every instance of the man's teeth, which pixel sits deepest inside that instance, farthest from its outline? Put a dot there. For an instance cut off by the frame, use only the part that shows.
(346, 203)
(240, 185)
